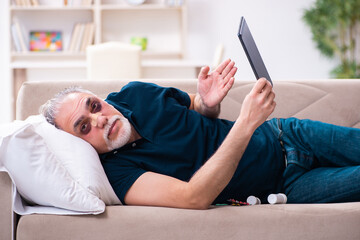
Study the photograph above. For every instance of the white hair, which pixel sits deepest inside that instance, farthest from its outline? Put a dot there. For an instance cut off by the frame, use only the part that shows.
(51, 108)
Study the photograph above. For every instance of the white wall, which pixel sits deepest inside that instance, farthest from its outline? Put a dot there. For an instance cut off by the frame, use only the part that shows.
(5, 86)
(282, 38)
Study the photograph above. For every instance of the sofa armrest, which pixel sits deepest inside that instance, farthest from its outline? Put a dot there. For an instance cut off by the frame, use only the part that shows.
(6, 213)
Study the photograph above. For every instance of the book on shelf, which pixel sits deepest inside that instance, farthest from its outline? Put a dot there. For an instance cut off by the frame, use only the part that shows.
(18, 37)
(35, 2)
(26, 3)
(74, 37)
(86, 2)
(81, 37)
(77, 2)
(15, 38)
(88, 36)
(29, 3)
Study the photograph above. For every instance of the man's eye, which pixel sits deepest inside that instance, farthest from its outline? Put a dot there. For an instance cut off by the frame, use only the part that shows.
(95, 107)
(85, 128)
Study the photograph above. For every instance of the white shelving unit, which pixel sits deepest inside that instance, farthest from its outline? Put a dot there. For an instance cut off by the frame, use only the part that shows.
(114, 21)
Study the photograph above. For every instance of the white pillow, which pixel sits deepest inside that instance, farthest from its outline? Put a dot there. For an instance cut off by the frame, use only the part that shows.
(50, 167)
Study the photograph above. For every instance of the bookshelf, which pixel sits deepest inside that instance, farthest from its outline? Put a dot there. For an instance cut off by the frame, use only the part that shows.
(113, 20)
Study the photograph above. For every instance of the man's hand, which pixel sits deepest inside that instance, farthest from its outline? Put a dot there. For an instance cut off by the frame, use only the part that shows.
(213, 87)
(258, 104)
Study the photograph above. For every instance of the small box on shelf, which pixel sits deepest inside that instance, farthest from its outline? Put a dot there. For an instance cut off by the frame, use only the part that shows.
(46, 41)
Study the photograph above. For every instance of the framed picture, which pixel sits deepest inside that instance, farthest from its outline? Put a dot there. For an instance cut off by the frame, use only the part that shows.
(45, 41)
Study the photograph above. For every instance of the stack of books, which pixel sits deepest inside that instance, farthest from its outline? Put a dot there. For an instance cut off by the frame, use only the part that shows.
(26, 3)
(29, 3)
(82, 36)
(77, 2)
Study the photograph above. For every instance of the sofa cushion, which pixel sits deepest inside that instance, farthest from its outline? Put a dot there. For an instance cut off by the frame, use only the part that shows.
(290, 221)
(331, 101)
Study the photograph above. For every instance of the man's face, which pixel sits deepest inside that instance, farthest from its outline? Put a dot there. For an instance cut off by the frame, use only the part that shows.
(92, 119)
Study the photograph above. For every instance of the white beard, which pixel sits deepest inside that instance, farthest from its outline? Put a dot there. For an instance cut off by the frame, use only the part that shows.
(123, 136)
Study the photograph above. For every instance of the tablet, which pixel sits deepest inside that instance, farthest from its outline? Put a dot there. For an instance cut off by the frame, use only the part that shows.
(252, 52)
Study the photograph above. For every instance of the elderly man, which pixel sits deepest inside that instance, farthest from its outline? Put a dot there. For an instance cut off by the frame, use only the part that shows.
(164, 147)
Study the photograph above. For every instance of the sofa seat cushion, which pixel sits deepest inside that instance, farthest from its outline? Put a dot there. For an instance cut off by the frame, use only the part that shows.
(311, 221)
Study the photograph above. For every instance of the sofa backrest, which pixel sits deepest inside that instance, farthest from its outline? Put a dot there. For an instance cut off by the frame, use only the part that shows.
(333, 101)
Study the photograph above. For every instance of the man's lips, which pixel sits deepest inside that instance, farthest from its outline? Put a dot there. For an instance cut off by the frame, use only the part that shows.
(111, 128)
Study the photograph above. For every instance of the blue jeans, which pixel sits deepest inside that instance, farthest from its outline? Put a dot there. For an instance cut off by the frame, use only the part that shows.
(323, 161)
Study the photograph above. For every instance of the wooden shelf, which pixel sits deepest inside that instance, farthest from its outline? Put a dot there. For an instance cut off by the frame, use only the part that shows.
(47, 60)
(47, 64)
(47, 54)
(150, 6)
(51, 8)
(115, 7)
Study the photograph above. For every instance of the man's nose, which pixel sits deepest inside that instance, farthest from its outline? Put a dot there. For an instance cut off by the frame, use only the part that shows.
(98, 120)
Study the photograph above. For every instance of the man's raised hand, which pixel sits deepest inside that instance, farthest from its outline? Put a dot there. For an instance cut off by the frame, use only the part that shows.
(213, 87)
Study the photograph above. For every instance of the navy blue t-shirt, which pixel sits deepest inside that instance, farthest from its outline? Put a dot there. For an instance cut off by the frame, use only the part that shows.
(177, 141)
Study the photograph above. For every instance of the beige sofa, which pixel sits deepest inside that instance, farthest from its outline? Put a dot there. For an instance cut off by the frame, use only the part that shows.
(333, 101)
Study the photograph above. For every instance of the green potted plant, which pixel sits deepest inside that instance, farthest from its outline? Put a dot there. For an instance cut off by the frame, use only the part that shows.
(335, 26)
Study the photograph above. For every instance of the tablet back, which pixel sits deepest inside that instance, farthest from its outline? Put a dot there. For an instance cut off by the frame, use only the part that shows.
(252, 52)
